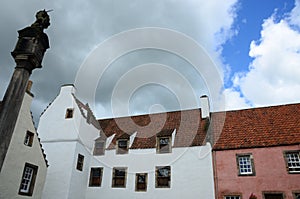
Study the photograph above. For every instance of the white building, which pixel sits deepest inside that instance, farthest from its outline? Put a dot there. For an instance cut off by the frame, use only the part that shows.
(24, 169)
(148, 156)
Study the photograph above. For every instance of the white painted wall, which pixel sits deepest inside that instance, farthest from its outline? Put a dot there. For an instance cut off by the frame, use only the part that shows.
(52, 125)
(18, 154)
(62, 140)
(191, 173)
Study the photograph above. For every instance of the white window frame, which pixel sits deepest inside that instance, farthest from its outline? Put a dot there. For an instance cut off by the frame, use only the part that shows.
(80, 162)
(157, 176)
(292, 161)
(92, 176)
(145, 175)
(114, 177)
(101, 143)
(169, 145)
(28, 179)
(28, 140)
(245, 164)
(69, 113)
(122, 150)
(232, 197)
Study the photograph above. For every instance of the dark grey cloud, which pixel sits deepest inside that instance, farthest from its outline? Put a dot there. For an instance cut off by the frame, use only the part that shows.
(77, 27)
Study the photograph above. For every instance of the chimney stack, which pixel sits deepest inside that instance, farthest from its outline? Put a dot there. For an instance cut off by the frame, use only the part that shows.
(204, 101)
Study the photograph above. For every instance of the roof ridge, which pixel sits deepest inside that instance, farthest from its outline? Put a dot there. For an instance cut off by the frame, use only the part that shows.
(260, 107)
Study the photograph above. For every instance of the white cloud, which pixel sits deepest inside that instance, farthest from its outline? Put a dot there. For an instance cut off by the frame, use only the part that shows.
(295, 14)
(234, 100)
(273, 76)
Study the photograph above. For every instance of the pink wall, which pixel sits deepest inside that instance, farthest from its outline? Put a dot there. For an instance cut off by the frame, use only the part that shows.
(270, 169)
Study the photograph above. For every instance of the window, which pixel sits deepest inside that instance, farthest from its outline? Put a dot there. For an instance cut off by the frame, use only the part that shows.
(119, 177)
(245, 165)
(163, 144)
(232, 197)
(99, 148)
(28, 138)
(80, 160)
(296, 195)
(273, 196)
(122, 145)
(96, 177)
(69, 113)
(293, 161)
(28, 179)
(163, 177)
(141, 182)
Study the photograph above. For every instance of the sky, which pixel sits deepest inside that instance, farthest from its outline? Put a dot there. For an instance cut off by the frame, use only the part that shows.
(134, 57)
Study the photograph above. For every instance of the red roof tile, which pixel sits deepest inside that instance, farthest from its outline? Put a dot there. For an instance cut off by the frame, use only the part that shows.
(258, 127)
(190, 128)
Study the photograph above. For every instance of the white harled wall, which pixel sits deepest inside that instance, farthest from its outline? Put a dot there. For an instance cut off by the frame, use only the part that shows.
(62, 140)
(191, 173)
(18, 154)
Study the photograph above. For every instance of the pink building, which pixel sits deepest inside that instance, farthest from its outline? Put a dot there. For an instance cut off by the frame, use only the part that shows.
(257, 154)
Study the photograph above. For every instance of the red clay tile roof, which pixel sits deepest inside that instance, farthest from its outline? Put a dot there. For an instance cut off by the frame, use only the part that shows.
(259, 127)
(190, 128)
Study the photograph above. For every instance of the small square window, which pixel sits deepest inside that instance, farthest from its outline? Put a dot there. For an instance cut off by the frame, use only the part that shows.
(245, 165)
(232, 197)
(292, 161)
(164, 144)
(122, 146)
(28, 138)
(80, 160)
(141, 182)
(28, 179)
(69, 113)
(163, 177)
(99, 148)
(119, 177)
(96, 177)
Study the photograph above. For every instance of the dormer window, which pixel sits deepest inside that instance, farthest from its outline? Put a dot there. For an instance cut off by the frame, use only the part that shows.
(99, 148)
(122, 146)
(69, 113)
(163, 144)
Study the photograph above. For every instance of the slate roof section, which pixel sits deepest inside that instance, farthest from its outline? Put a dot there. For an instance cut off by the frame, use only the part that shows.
(190, 128)
(259, 127)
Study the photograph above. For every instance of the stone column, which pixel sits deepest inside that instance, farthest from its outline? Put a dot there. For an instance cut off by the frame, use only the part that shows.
(28, 55)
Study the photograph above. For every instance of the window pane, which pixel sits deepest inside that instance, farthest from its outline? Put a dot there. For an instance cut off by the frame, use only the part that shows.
(99, 148)
(141, 182)
(96, 176)
(163, 145)
(297, 195)
(232, 197)
(122, 146)
(69, 113)
(28, 179)
(245, 165)
(28, 138)
(80, 160)
(163, 177)
(119, 177)
(293, 162)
